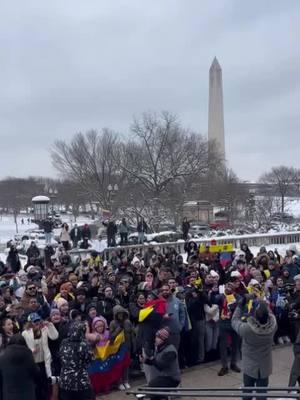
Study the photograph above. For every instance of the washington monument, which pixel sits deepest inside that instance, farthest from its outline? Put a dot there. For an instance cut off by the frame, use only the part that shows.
(215, 110)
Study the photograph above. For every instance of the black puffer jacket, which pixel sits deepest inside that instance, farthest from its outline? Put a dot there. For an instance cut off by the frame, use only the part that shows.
(75, 357)
(18, 373)
(295, 371)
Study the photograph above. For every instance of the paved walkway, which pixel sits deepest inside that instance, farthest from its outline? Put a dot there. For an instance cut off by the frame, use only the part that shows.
(207, 375)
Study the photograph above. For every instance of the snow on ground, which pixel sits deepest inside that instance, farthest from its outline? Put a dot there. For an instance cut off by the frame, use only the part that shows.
(8, 227)
(293, 206)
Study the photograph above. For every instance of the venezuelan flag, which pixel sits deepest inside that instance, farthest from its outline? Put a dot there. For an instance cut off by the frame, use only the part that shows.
(109, 364)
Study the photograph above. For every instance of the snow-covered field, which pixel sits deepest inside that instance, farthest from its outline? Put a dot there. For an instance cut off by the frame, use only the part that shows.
(293, 207)
(8, 226)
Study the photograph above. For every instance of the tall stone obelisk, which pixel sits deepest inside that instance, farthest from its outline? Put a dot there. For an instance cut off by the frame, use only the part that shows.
(216, 109)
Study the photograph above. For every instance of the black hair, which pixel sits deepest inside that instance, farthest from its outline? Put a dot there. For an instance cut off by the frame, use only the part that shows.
(17, 339)
(262, 312)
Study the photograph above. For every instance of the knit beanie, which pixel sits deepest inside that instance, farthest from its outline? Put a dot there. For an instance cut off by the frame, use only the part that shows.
(60, 301)
(54, 311)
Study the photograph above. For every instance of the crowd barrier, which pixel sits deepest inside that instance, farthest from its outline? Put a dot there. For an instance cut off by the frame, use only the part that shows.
(253, 240)
(235, 393)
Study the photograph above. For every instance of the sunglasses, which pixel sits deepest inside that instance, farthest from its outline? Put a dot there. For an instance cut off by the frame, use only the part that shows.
(31, 288)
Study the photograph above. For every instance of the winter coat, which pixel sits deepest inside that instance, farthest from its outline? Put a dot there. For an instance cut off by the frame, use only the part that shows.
(64, 235)
(142, 227)
(86, 232)
(14, 261)
(54, 345)
(115, 327)
(256, 345)
(18, 374)
(123, 228)
(295, 371)
(33, 252)
(294, 269)
(185, 227)
(75, 357)
(76, 234)
(164, 363)
(111, 229)
(195, 306)
(134, 312)
(48, 226)
(105, 308)
(175, 309)
(47, 332)
(43, 311)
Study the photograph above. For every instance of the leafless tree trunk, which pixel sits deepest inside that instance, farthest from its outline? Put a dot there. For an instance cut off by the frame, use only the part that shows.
(283, 179)
(91, 161)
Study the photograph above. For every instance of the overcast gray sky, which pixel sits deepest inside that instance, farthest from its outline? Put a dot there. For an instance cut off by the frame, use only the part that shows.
(72, 65)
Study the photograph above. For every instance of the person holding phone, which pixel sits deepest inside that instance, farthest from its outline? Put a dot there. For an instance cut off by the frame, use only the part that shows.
(36, 334)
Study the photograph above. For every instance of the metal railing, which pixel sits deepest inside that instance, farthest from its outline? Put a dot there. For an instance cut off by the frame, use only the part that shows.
(256, 240)
(258, 392)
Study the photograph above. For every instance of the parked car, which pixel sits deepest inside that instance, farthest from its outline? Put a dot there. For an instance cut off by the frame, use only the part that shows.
(167, 236)
(199, 230)
(284, 217)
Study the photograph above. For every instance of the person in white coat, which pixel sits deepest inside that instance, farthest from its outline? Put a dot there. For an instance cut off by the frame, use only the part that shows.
(36, 335)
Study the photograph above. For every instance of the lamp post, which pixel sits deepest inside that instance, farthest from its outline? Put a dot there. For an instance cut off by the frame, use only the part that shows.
(198, 210)
(112, 191)
(52, 193)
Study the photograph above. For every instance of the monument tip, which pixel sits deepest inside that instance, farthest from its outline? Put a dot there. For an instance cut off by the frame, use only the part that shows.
(215, 64)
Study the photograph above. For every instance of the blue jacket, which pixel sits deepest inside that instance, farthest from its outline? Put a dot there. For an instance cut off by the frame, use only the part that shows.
(175, 308)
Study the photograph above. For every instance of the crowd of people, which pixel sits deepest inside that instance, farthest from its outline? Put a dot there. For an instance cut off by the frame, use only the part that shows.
(79, 237)
(76, 329)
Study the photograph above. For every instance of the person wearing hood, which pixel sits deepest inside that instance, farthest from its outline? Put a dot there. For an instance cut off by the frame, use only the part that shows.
(121, 322)
(13, 259)
(164, 368)
(75, 358)
(257, 338)
(248, 255)
(98, 338)
(17, 366)
(33, 251)
(86, 232)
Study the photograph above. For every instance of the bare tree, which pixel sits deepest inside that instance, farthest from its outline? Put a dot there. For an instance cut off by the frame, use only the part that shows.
(283, 179)
(161, 152)
(264, 209)
(90, 160)
(16, 194)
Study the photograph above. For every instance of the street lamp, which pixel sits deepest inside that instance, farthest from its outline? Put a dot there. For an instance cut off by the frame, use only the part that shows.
(52, 192)
(112, 191)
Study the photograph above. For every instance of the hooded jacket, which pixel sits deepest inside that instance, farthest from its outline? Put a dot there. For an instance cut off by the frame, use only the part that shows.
(256, 345)
(164, 363)
(75, 358)
(117, 327)
(105, 337)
